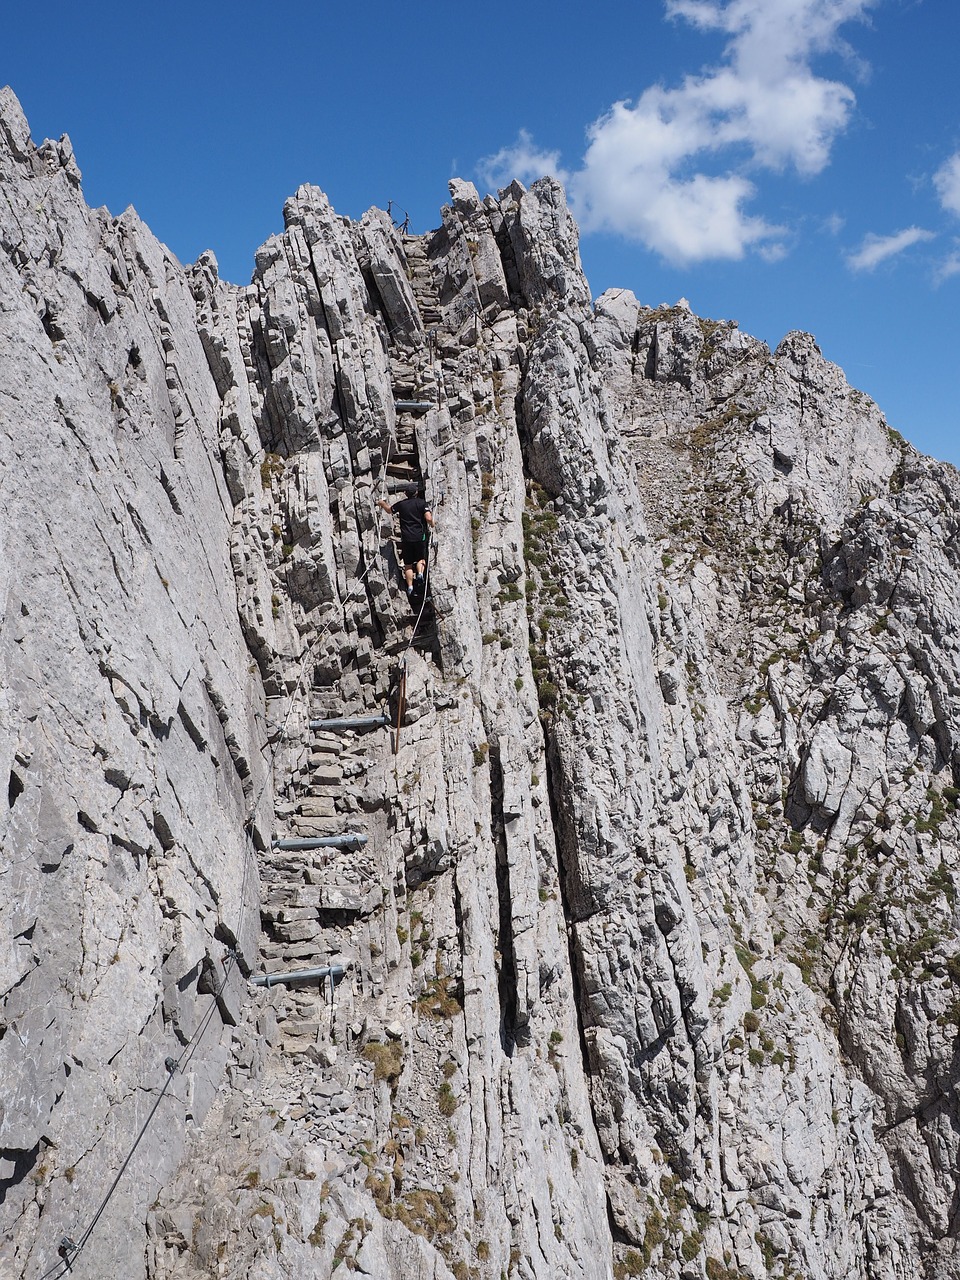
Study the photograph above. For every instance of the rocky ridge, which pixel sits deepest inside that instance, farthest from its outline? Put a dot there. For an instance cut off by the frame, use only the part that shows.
(648, 926)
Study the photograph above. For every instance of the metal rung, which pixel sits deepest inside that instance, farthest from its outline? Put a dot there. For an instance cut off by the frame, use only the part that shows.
(332, 971)
(362, 722)
(349, 840)
(414, 404)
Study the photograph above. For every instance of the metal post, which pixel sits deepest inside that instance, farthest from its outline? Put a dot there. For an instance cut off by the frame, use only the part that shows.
(332, 971)
(361, 722)
(401, 701)
(349, 840)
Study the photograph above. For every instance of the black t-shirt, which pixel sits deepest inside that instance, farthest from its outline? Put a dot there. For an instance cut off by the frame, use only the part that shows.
(413, 527)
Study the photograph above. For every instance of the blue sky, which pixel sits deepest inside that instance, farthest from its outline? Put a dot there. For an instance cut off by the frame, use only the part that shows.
(784, 163)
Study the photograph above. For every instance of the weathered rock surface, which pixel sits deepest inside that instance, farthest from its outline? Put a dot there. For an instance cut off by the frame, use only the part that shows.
(644, 957)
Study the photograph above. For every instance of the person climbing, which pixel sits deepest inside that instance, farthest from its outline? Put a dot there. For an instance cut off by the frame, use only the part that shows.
(416, 519)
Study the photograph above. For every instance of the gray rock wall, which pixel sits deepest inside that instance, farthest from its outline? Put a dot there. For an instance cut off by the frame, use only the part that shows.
(647, 929)
(132, 717)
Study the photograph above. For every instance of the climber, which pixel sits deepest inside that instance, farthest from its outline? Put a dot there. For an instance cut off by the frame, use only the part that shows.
(416, 519)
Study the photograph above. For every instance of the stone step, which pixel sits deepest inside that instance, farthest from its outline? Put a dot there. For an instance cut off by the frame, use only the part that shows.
(305, 828)
(403, 470)
(293, 927)
(283, 872)
(325, 702)
(323, 774)
(328, 797)
(315, 807)
(298, 931)
(283, 904)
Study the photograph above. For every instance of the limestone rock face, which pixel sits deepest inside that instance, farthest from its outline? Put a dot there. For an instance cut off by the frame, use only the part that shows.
(595, 918)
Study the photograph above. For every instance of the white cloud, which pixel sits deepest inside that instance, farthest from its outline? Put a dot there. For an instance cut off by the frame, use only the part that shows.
(949, 267)
(675, 169)
(876, 249)
(947, 182)
(767, 96)
(523, 160)
(782, 29)
(630, 184)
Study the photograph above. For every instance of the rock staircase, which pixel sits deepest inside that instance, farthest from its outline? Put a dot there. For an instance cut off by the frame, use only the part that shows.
(415, 388)
(422, 280)
(314, 913)
(309, 891)
(318, 903)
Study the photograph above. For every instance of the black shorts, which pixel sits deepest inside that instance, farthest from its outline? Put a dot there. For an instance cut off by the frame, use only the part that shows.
(413, 552)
